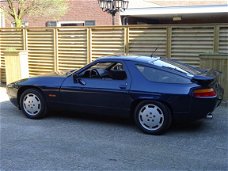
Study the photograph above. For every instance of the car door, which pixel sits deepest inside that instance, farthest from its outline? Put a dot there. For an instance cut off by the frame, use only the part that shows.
(105, 94)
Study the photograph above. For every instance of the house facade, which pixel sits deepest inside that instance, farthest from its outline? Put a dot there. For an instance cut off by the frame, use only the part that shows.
(80, 12)
(203, 14)
(176, 12)
(88, 12)
(2, 19)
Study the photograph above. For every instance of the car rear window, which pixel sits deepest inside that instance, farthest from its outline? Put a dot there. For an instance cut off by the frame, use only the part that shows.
(156, 75)
(174, 65)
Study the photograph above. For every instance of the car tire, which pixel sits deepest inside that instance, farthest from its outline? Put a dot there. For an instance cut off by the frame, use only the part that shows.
(152, 117)
(33, 104)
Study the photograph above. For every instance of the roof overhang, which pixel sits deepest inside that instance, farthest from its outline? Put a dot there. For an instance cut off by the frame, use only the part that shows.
(159, 11)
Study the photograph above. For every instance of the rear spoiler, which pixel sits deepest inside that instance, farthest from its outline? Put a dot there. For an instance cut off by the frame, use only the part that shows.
(207, 77)
(202, 80)
(214, 73)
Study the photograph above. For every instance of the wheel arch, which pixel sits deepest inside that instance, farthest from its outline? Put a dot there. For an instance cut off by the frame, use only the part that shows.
(137, 101)
(24, 88)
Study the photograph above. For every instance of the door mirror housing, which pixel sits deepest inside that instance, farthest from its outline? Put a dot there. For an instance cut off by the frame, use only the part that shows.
(77, 79)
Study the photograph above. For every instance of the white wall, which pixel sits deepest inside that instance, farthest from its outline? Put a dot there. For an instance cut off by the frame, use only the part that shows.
(2, 19)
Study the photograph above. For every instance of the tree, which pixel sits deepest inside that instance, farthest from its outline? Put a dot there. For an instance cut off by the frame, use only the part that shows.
(18, 9)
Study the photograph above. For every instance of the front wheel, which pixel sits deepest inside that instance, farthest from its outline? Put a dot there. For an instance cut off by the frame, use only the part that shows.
(33, 104)
(152, 117)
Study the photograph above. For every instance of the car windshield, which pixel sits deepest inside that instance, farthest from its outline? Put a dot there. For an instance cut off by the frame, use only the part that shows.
(179, 67)
(102, 65)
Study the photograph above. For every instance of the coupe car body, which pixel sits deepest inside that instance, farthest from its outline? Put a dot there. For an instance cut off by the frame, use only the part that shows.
(155, 91)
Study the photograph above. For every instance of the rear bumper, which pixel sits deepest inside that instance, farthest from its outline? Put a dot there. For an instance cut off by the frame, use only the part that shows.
(199, 109)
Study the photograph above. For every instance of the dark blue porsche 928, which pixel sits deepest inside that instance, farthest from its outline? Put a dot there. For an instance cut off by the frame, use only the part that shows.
(154, 91)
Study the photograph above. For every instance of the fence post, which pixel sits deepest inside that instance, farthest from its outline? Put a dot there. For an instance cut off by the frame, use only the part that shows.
(55, 45)
(216, 39)
(126, 40)
(25, 39)
(0, 59)
(169, 42)
(89, 45)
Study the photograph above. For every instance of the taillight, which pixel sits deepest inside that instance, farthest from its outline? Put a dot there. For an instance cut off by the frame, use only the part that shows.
(204, 92)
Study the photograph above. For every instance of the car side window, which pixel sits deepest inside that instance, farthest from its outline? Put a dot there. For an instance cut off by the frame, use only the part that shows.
(156, 75)
(105, 71)
(117, 67)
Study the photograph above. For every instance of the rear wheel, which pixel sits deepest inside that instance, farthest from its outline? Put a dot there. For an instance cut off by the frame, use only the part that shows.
(152, 117)
(33, 104)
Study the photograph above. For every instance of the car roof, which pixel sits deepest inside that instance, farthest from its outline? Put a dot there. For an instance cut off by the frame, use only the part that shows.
(145, 59)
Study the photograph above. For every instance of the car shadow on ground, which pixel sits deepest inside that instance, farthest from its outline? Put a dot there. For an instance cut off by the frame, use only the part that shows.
(7, 109)
(90, 117)
(187, 127)
(124, 121)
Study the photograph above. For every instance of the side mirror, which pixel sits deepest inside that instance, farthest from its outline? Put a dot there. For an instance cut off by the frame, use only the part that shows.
(77, 79)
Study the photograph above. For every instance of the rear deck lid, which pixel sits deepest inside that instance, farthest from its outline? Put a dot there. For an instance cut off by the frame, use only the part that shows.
(209, 78)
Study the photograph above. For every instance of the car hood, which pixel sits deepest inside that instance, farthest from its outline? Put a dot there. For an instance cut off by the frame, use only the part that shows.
(53, 79)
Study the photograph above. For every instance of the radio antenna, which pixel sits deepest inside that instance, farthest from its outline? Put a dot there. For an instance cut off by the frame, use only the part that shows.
(154, 52)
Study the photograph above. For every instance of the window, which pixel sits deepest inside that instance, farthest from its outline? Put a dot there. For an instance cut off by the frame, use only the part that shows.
(51, 24)
(64, 23)
(106, 71)
(71, 24)
(157, 75)
(117, 67)
(24, 24)
(90, 23)
(171, 64)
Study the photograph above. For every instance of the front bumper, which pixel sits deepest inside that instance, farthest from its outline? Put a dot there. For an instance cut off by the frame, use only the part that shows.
(12, 93)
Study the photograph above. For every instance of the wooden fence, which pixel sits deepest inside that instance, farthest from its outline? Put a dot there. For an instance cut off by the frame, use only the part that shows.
(56, 49)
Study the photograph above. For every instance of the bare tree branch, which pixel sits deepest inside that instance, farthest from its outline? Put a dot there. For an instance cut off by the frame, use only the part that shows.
(7, 12)
(18, 9)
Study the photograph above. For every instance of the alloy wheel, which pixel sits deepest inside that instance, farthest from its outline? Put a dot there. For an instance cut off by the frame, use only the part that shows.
(31, 104)
(151, 117)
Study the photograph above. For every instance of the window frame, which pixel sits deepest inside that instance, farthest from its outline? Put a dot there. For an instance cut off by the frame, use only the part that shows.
(113, 63)
(188, 80)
